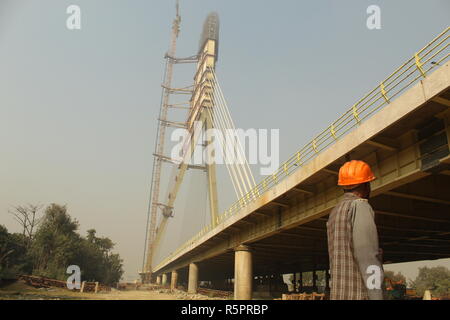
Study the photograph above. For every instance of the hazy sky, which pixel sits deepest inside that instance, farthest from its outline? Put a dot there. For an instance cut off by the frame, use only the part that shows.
(78, 109)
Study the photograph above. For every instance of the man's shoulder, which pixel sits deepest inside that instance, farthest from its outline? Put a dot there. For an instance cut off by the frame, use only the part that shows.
(363, 205)
(361, 202)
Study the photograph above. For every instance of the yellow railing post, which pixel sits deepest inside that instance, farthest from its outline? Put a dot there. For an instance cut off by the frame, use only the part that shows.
(383, 92)
(333, 132)
(314, 144)
(356, 114)
(419, 65)
(299, 158)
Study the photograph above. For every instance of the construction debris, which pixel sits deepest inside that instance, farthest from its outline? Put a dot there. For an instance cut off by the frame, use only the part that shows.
(304, 296)
(42, 282)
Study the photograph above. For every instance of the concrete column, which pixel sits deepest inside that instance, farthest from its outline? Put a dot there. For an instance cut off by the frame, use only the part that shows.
(314, 280)
(294, 282)
(243, 273)
(327, 280)
(174, 280)
(300, 289)
(164, 279)
(193, 278)
(158, 280)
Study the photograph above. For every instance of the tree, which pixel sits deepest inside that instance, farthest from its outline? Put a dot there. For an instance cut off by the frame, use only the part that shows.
(308, 278)
(436, 279)
(27, 217)
(396, 277)
(114, 269)
(98, 262)
(14, 259)
(56, 243)
(54, 246)
(5, 250)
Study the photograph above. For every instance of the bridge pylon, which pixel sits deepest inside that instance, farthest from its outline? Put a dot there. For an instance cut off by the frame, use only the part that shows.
(199, 120)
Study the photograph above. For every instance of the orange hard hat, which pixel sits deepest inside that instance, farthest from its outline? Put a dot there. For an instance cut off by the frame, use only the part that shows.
(355, 172)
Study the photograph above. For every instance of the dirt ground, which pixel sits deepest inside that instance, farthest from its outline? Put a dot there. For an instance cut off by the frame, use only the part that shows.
(21, 291)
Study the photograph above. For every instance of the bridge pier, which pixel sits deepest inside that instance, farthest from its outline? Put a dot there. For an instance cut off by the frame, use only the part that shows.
(164, 280)
(193, 278)
(327, 282)
(294, 282)
(300, 283)
(158, 280)
(174, 280)
(243, 273)
(314, 280)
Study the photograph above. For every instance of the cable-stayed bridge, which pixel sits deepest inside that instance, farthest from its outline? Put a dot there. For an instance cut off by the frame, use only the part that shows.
(278, 226)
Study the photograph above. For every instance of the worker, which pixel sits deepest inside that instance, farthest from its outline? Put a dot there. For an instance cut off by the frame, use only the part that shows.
(355, 258)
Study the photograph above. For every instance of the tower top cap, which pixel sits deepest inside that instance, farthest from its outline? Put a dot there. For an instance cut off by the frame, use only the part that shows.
(211, 29)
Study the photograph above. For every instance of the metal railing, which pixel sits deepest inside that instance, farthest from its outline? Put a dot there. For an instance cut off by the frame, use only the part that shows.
(417, 67)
